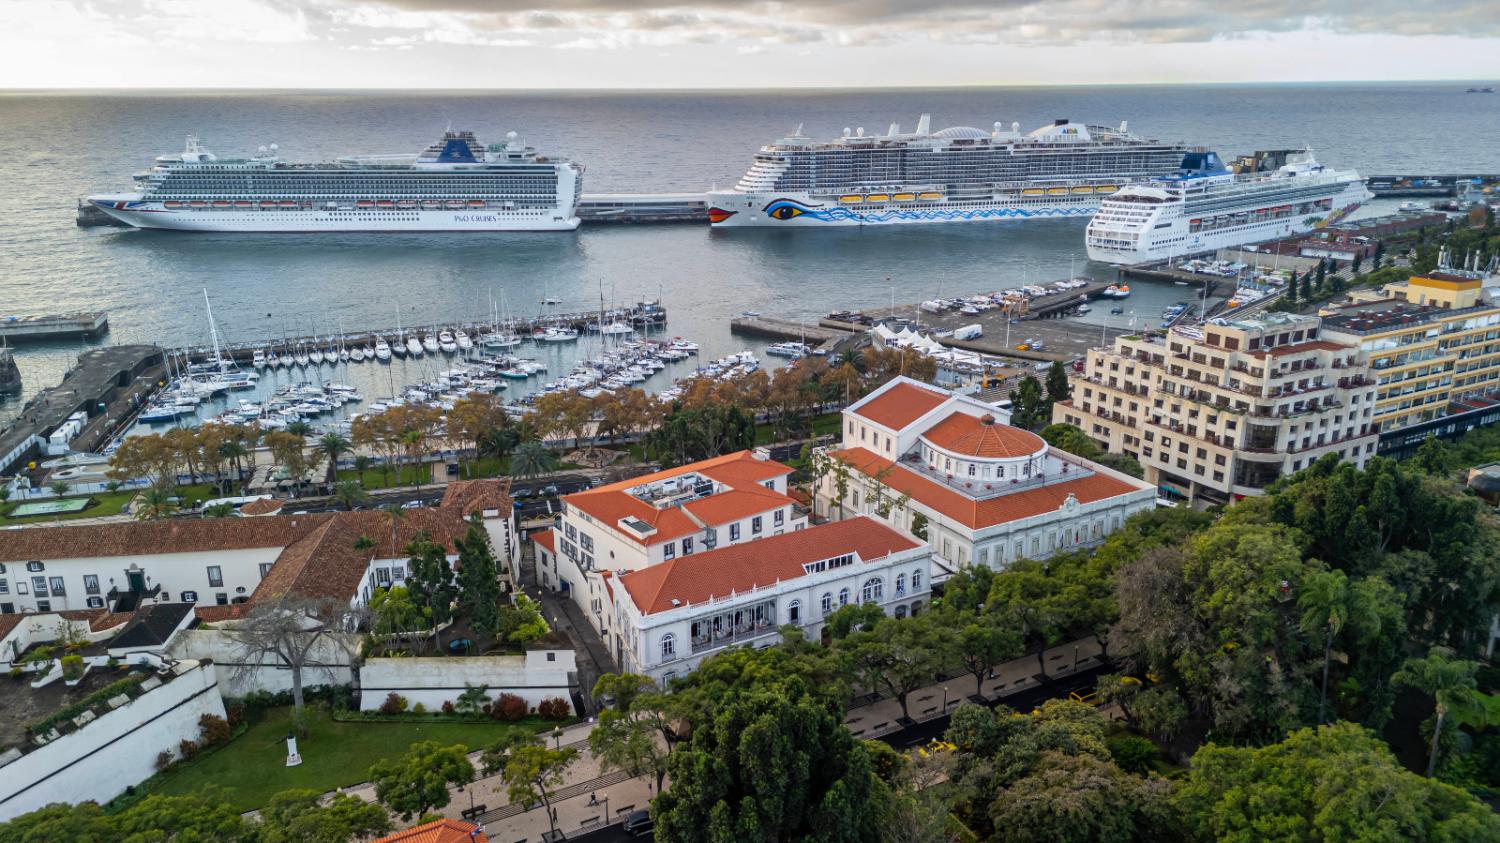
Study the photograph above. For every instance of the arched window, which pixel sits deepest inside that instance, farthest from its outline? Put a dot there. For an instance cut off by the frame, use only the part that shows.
(827, 604)
(668, 646)
(900, 611)
(900, 584)
(873, 591)
(915, 608)
(916, 579)
(843, 597)
(794, 611)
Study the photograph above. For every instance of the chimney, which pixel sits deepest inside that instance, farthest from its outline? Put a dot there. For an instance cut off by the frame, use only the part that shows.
(986, 419)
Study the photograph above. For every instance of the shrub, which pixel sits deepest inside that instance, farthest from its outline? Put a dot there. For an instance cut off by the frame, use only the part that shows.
(40, 654)
(394, 704)
(419, 709)
(188, 749)
(554, 708)
(236, 713)
(16, 672)
(447, 706)
(1134, 754)
(163, 760)
(216, 731)
(510, 707)
(72, 666)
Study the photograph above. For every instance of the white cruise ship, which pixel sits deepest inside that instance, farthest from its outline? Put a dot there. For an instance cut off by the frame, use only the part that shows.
(456, 184)
(1203, 207)
(960, 174)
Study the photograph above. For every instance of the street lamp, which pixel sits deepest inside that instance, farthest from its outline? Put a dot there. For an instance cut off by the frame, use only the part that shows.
(594, 803)
(557, 738)
(945, 699)
(1075, 658)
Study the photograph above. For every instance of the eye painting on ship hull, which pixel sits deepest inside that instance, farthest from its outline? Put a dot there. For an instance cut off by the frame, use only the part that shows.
(783, 211)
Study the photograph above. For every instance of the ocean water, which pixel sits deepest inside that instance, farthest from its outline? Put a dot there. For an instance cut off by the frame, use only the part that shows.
(57, 147)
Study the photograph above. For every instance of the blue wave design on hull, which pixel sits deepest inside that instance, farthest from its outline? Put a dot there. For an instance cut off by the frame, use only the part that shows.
(935, 215)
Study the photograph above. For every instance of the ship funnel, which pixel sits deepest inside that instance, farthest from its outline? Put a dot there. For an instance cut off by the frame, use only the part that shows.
(924, 125)
(1124, 126)
(894, 130)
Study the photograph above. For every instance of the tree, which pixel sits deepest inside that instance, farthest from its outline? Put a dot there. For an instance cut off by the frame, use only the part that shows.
(418, 781)
(1025, 595)
(59, 487)
(900, 656)
(431, 582)
(1329, 601)
(773, 762)
(1432, 457)
(1077, 798)
(290, 451)
(532, 459)
(533, 772)
(293, 632)
(624, 741)
(349, 493)
(478, 581)
(1305, 291)
(1379, 253)
(218, 510)
(1333, 783)
(393, 614)
(474, 418)
(155, 503)
(1058, 387)
(494, 757)
(1291, 291)
(1449, 681)
(984, 643)
(1027, 406)
(332, 446)
(522, 622)
(300, 816)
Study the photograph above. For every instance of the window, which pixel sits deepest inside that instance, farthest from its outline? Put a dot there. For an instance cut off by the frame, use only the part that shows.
(265, 568)
(44, 605)
(96, 602)
(873, 590)
(900, 584)
(215, 576)
(4, 587)
(916, 579)
(58, 589)
(734, 532)
(35, 566)
(794, 611)
(827, 604)
(90, 584)
(39, 585)
(687, 546)
(221, 599)
(755, 523)
(668, 646)
(383, 576)
(190, 597)
(900, 612)
(398, 572)
(669, 550)
(778, 517)
(915, 608)
(586, 541)
(843, 597)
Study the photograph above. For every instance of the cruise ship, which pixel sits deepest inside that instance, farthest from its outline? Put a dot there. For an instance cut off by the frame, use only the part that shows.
(1204, 206)
(456, 184)
(959, 174)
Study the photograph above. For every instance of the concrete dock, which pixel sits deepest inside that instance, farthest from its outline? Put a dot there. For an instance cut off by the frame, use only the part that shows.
(106, 385)
(66, 326)
(786, 329)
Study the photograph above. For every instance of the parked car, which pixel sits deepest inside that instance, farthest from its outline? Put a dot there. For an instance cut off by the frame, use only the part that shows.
(638, 824)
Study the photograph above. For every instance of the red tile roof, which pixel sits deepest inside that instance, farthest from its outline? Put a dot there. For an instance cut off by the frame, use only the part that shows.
(740, 471)
(901, 404)
(437, 831)
(544, 539)
(1314, 345)
(146, 538)
(261, 506)
(977, 514)
(962, 433)
(742, 567)
(471, 496)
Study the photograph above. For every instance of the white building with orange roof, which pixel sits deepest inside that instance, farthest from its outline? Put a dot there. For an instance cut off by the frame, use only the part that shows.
(943, 465)
(660, 517)
(671, 616)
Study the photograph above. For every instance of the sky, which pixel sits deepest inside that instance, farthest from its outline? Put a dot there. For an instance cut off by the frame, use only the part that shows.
(498, 44)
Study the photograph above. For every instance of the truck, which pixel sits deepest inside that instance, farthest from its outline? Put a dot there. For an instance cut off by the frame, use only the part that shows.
(968, 332)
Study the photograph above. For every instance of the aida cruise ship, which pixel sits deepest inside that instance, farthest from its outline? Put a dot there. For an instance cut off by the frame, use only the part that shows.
(959, 174)
(1203, 207)
(456, 184)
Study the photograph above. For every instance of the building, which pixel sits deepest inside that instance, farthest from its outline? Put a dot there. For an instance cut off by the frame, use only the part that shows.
(1430, 340)
(944, 466)
(672, 615)
(1217, 413)
(222, 562)
(438, 831)
(659, 517)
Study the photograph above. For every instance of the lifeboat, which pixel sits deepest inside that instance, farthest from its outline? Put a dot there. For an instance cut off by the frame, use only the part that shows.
(385, 203)
(1106, 188)
(198, 203)
(268, 204)
(172, 203)
(1033, 191)
(431, 204)
(851, 200)
(453, 205)
(1056, 191)
(1083, 190)
(877, 197)
(287, 203)
(244, 203)
(221, 203)
(904, 197)
(476, 203)
(364, 203)
(932, 195)
(406, 203)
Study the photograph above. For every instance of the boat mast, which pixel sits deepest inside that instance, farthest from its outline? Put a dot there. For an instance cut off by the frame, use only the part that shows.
(213, 331)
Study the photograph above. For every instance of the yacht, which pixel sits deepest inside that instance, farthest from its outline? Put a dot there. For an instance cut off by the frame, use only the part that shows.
(446, 343)
(430, 343)
(382, 349)
(414, 346)
(461, 338)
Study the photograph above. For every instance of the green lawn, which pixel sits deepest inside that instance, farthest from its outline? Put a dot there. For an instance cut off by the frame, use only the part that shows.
(824, 425)
(253, 766)
(105, 503)
(375, 478)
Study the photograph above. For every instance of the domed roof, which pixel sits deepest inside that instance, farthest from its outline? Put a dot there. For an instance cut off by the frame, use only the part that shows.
(965, 132)
(983, 437)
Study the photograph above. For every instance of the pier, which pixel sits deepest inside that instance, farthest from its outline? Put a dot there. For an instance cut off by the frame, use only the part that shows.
(20, 329)
(787, 329)
(106, 385)
(1453, 185)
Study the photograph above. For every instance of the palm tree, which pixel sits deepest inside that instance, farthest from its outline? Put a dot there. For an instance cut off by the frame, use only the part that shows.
(333, 446)
(395, 513)
(1449, 681)
(361, 465)
(299, 428)
(498, 441)
(349, 493)
(532, 459)
(59, 487)
(235, 452)
(155, 503)
(218, 510)
(415, 441)
(1326, 602)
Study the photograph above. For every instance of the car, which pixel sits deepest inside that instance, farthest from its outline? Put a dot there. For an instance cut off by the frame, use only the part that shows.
(412, 505)
(638, 824)
(550, 491)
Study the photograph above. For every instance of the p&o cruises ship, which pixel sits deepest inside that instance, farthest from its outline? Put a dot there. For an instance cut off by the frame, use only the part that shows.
(959, 174)
(1204, 206)
(456, 184)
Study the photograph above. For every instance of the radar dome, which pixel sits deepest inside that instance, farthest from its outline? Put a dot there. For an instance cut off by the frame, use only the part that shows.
(261, 149)
(965, 132)
(274, 147)
(510, 135)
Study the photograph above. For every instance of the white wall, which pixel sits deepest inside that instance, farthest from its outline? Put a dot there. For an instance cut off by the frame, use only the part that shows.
(433, 681)
(174, 572)
(330, 662)
(98, 761)
(42, 629)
